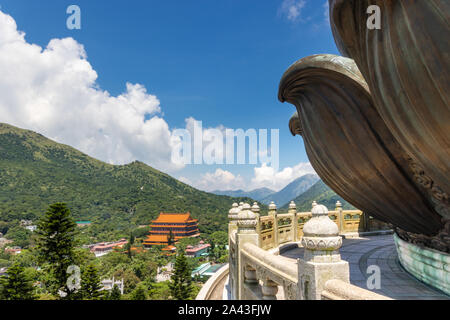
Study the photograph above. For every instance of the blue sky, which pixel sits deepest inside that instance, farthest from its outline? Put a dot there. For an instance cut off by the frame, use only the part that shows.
(215, 61)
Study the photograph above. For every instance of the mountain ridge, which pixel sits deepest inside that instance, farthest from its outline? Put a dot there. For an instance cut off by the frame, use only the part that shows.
(292, 190)
(36, 171)
(256, 194)
(320, 193)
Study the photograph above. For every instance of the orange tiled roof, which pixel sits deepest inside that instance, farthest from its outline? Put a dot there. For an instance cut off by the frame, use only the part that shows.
(174, 218)
(156, 238)
(166, 225)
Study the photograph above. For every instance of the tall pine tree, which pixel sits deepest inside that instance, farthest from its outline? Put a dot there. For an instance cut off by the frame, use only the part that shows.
(170, 238)
(129, 246)
(55, 243)
(91, 284)
(115, 293)
(181, 282)
(15, 285)
(140, 293)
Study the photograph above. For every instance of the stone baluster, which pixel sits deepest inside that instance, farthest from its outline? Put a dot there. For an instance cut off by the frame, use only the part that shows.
(321, 261)
(250, 275)
(246, 226)
(273, 213)
(269, 290)
(293, 211)
(340, 216)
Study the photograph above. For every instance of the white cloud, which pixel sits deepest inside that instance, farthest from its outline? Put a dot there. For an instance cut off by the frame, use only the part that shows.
(212, 139)
(292, 9)
(266, 176)
(326, 12)
(218, 180)
(53, 91)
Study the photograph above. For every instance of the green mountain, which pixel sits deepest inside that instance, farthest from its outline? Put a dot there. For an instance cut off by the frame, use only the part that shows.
(320, 193)
(36, 171)
(257, 194)
(292, 190)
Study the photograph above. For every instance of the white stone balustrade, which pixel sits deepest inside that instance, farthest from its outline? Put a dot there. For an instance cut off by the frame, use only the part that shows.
(256, 271)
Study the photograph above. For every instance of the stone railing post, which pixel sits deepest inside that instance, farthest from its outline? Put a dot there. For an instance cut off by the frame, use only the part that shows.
(274, 214)
(256, 210)
(321, 261)
(293, 211)
(340, 216)
(246, 225)
(232, 250)
(232, 218)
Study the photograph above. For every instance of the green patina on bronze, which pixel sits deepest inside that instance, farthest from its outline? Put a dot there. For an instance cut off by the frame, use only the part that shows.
(428, 265)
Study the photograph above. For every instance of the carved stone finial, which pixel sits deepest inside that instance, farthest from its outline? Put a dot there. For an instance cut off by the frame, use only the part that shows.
(272, 209)
(255, 207)
(246, 206)
(272, 206)
(232, 214)
(292, 207)
(246, 220)
(321, 237)
(314, 203)
(338, 205)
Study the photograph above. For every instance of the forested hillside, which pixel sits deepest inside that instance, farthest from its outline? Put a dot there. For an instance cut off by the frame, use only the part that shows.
(36, 171)
(322, 194)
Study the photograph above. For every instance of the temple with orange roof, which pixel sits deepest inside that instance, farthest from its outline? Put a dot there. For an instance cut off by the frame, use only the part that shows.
(182, 225)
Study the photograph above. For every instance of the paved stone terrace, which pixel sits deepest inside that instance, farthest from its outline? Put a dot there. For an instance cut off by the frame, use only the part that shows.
(396, 283)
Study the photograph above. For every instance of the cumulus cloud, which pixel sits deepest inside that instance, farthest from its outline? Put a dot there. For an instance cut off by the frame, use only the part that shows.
(266, 176)
(218, 180)
(53, 91)
(292, 9)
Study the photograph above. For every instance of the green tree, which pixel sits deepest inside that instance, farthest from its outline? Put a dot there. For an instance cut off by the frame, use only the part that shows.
(140, 293)
(91, 284)
(171, 238)
(181, 281)
(55, 242)
(219, 238)
(138, 232)
(184, 242)
(20, 235)
(115, 293)
(159, 291)
(130, 280)
(4, 226)
(129, 245)
(16, 285)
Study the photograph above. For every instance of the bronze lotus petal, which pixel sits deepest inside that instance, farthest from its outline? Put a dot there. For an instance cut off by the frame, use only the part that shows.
(406, 64)
(350, 146)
